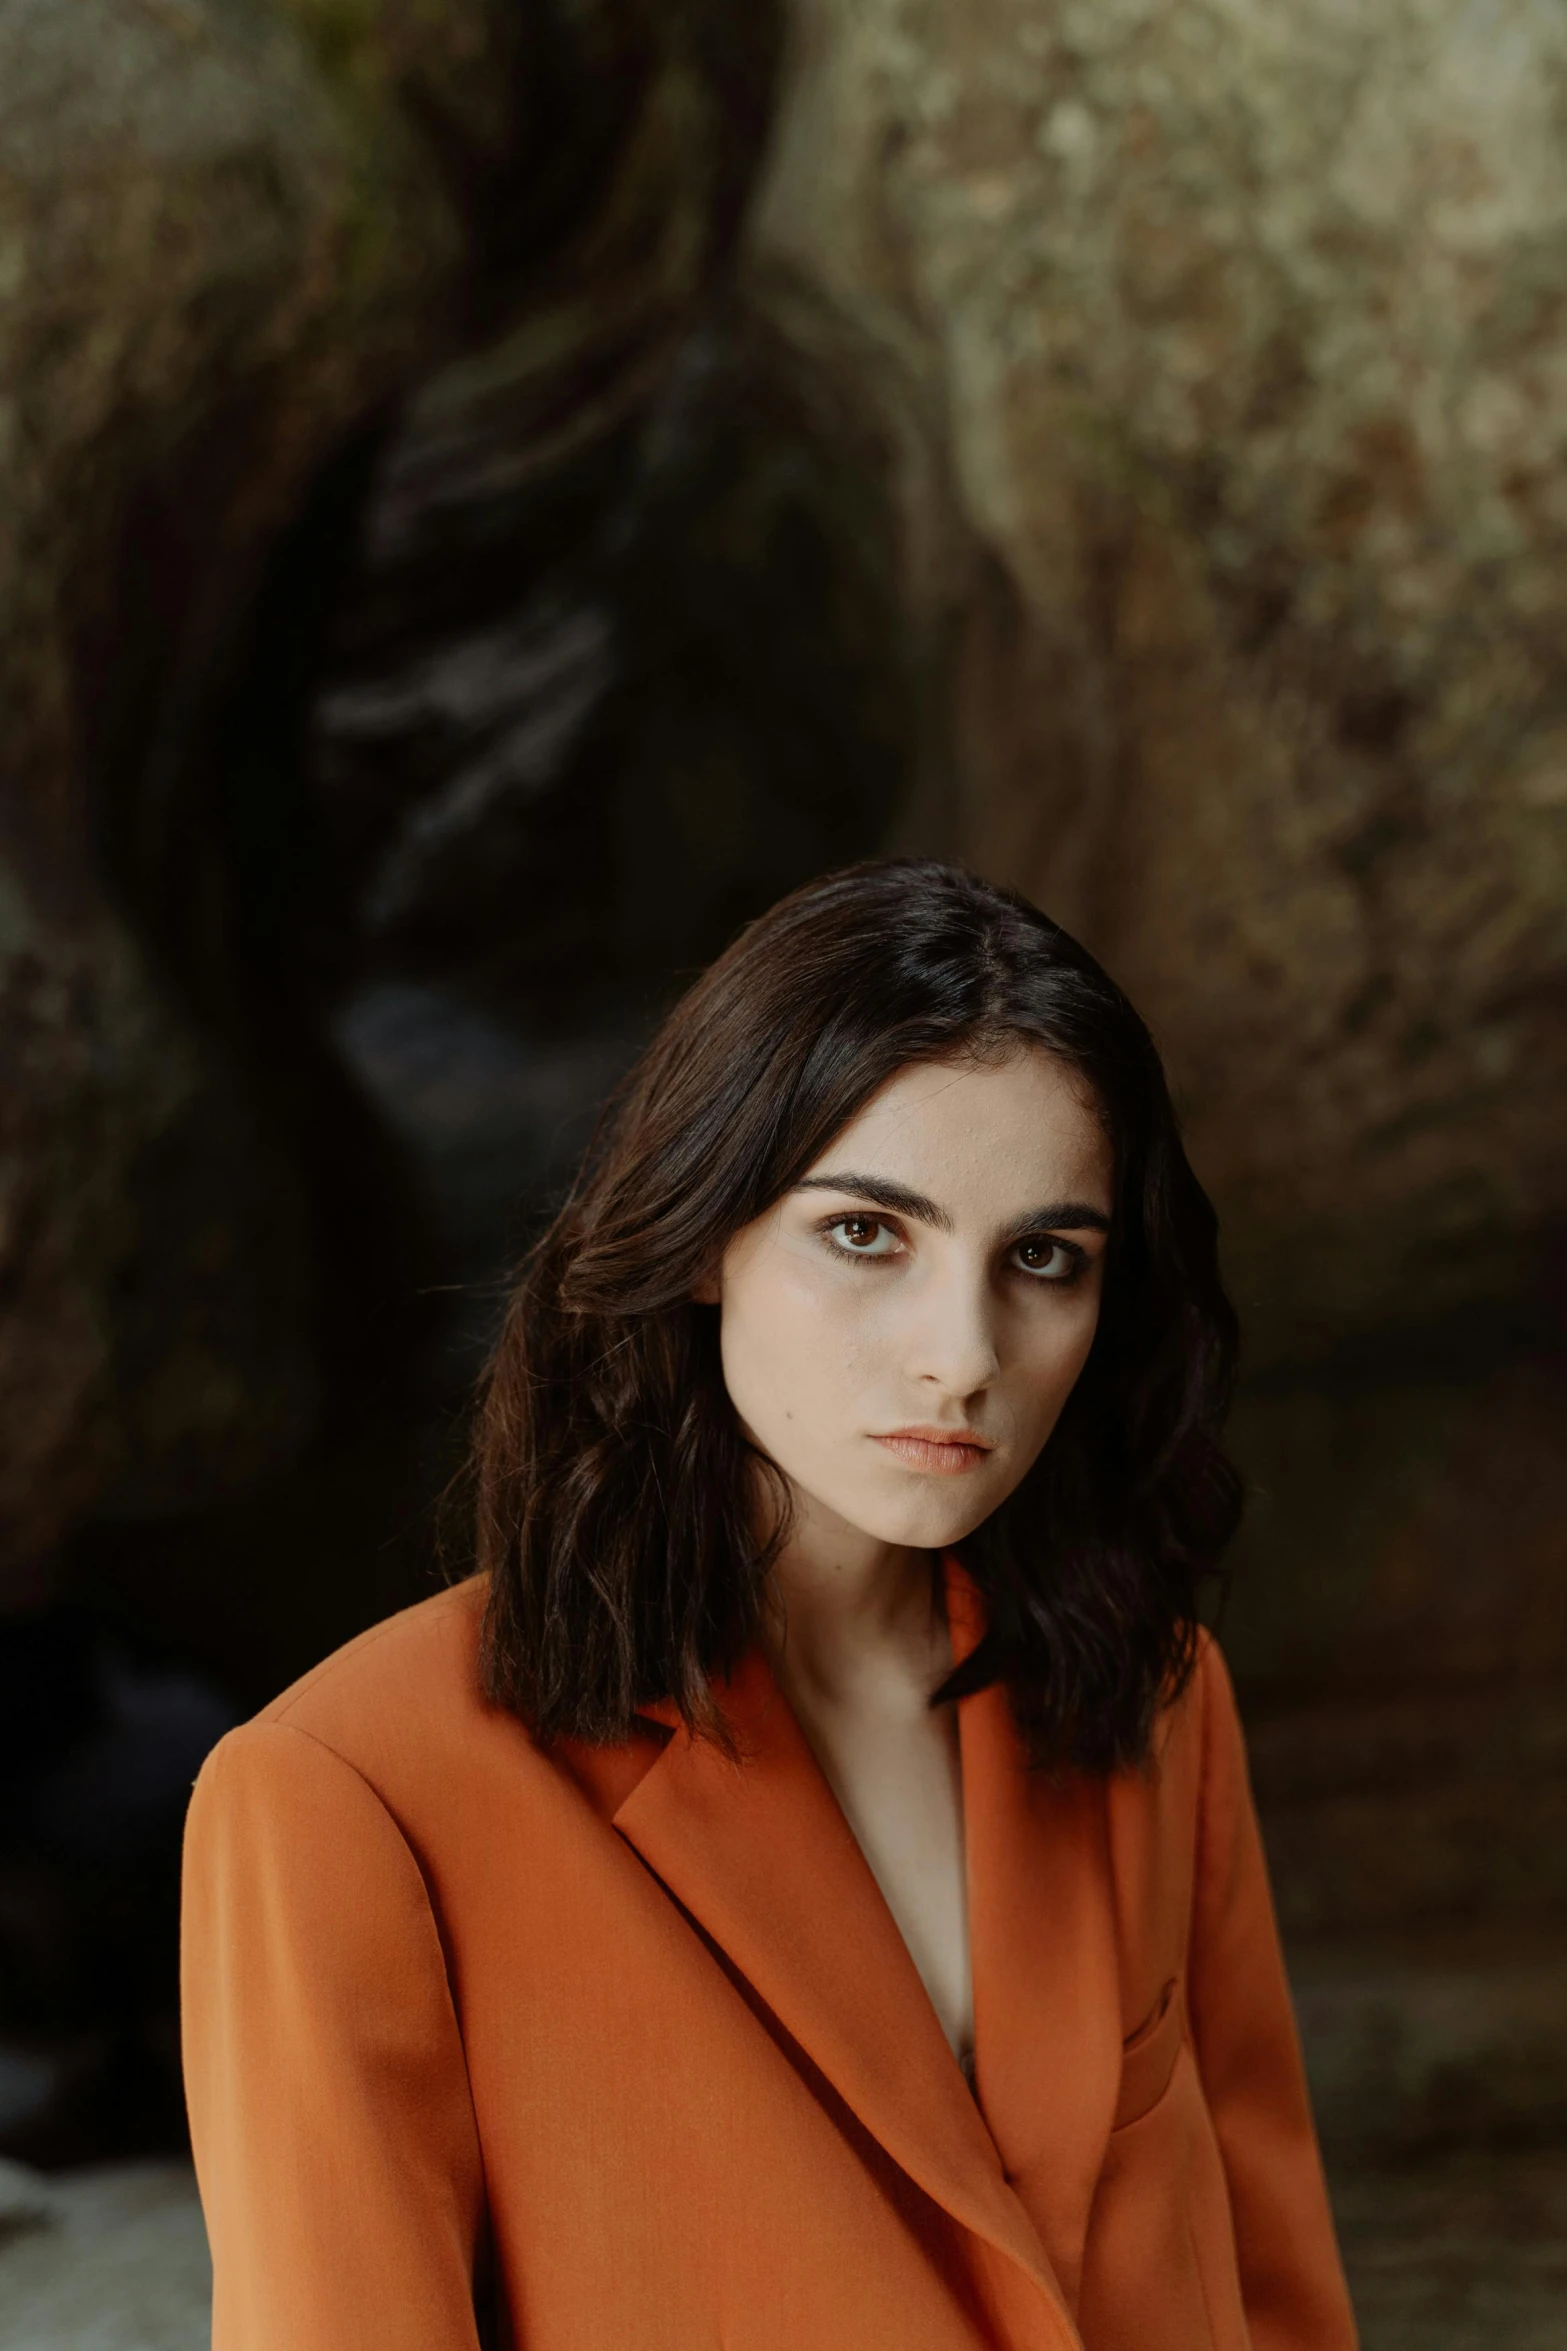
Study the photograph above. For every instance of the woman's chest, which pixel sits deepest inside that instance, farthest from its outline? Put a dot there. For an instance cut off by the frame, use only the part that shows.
(896, 1771)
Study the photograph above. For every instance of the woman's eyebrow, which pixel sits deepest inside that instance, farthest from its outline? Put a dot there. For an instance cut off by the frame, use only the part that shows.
(882, 1193)
(1062, 1216)
(1059, 1216)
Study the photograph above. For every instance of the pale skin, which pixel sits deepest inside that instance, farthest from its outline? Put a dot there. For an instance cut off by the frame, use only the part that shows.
(899, 1335)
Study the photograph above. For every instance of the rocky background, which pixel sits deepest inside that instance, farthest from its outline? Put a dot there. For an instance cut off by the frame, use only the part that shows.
(491, 493)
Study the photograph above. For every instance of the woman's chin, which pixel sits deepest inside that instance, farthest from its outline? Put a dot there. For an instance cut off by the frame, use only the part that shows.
(929, 1521)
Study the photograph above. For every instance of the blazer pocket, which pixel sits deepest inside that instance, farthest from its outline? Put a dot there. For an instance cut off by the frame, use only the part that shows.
(1148, 2056)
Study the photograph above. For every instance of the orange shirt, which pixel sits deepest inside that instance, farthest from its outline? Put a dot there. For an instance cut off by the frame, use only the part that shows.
(622, 2047)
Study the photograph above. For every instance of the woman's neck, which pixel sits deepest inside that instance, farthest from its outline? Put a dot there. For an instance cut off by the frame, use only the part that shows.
(851, 1608)
(859, 1646)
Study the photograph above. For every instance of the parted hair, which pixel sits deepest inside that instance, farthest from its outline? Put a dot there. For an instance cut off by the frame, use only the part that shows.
(624, 1522)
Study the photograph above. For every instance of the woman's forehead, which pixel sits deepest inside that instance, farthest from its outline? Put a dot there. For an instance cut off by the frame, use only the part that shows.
(981, 1125)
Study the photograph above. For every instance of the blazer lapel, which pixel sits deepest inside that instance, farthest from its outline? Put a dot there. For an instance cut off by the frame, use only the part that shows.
(761, 1855)
(1047, 2022)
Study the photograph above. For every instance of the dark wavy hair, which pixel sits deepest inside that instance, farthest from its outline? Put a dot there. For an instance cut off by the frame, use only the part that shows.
(617, 1495)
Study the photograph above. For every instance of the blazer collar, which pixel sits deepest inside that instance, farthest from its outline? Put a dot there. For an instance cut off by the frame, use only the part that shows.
(759, 1852)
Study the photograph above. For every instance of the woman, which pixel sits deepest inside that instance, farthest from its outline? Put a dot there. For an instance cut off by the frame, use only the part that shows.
(803, 1892)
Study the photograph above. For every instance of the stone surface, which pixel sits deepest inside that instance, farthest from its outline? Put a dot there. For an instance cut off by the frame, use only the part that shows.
(1469, 2254)
(231, 237)
(579, 719)
(156, 1331)
(1218, 357)
(108, 2259)
(1407, 1527)
(223, 242)
(1424, 2044)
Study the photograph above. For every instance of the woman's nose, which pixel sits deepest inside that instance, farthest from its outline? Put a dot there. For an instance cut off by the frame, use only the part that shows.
(957, 1335)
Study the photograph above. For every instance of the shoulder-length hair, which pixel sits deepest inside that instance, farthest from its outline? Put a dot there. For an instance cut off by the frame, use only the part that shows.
(618, 1517)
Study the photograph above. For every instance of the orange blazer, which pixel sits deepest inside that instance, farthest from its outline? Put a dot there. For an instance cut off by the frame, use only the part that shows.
(619, 2049)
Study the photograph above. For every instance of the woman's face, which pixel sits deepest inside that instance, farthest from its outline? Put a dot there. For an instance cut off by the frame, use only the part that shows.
(900, 1332)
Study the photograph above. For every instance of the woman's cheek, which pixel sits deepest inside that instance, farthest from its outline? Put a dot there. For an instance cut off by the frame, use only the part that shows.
(790, 1344)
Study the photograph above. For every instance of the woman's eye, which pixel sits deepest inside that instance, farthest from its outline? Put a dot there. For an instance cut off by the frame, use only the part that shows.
(863, 1236)
(1047, 1260)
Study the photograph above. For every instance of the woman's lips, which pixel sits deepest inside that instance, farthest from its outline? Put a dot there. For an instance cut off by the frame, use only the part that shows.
(948, 1452)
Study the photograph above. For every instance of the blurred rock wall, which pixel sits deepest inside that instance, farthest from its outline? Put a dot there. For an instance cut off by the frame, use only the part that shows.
(222, 242)
(1222, 351)
(232, 237)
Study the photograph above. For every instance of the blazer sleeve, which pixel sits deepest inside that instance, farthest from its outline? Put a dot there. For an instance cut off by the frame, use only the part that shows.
(334, 2138)
(1248, 2054)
